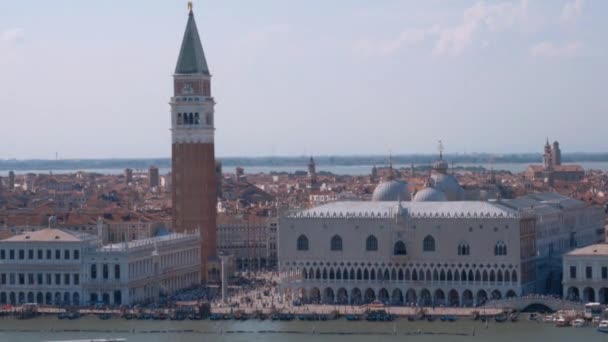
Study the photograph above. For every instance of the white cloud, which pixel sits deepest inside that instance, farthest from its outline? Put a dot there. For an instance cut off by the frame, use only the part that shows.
(481, 16)
(548, 49)
(390, 46)
(572, 10)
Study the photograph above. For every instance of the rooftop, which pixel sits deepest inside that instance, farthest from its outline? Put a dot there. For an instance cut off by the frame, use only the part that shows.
(123, 246)
(600, 249)
(51, 235)
(415, 209)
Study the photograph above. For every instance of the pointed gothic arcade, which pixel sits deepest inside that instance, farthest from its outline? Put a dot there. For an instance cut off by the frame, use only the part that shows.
(193, 150)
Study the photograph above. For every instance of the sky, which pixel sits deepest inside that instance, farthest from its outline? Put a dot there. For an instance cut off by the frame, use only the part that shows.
(92, 79)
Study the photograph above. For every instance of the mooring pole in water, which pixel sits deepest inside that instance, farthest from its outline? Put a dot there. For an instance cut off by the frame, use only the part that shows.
(473, 330)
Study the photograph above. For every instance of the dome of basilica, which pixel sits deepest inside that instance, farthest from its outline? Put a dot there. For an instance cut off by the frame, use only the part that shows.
(391, 190)
(449, 186)
(430, 194)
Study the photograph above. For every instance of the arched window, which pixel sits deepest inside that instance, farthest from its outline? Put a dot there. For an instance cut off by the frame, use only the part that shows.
(500, 248)
(399, 248)
(336, 243)
(371, 244)
(94, 271)
(179, 118)
(302, 243)
(464, 249)
(197, 120)
(428, 245)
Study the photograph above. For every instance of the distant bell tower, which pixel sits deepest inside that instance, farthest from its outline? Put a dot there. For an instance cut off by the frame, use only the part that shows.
(548, 156)
(312, 172)
(193, 151)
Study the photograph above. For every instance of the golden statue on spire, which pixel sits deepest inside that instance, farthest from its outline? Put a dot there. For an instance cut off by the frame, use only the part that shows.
(190, 5)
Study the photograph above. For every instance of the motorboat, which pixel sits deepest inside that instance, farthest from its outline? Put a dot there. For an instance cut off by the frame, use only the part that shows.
(501, 318)
(579, 323)
(603, 327)
(533, 316)
(561, 321)
(548, 319)
(353, 317)
(447, 318)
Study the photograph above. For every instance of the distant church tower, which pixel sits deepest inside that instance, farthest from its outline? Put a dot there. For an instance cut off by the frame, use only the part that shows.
(548, 156)
(193, 152)
(557, 154)
(312, 171)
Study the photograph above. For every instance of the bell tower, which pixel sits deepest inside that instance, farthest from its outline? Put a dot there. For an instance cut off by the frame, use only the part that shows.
(194, 182)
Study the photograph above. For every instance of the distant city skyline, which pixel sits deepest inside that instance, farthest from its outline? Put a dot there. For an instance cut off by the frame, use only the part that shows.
(92, 79)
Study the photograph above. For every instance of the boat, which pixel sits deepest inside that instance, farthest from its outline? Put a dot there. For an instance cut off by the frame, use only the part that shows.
(533, 317)
(561, 322)
(475, 315)
(513, 316)
(379, 316)
(73, 315)
(353, 317)
(548, 319)
(579, 323)
(104, 316)
(411, 318)
(447, 318)
(431, 318)
(128, 315)
(603, 327)
(216, 317)
(501, 318)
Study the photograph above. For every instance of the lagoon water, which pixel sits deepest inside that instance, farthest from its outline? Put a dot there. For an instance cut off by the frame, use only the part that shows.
(52, 329)
(335, 169)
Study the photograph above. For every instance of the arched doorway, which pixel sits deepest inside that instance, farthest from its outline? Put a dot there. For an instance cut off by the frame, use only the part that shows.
(573, 294)
(425, 297)
(94, 298)
(439, 298)
(76, 298)
(454, 298)
(410, 297)
(48, 298)
(57, 300)
(105, 298)
(355, 297)
(3, 298)
(342, 296)
(328, 296)
(482, 297)
(511, 294)
(30, 297)
(40, 298)
(383, 296)
(315, 295)
(117, 297)
(603, 295)
(301, 295)
(467, 298)
(21, 297)
(370, 296)
(589, 294)
(397, 297)
(12, 298)
(496, 295)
